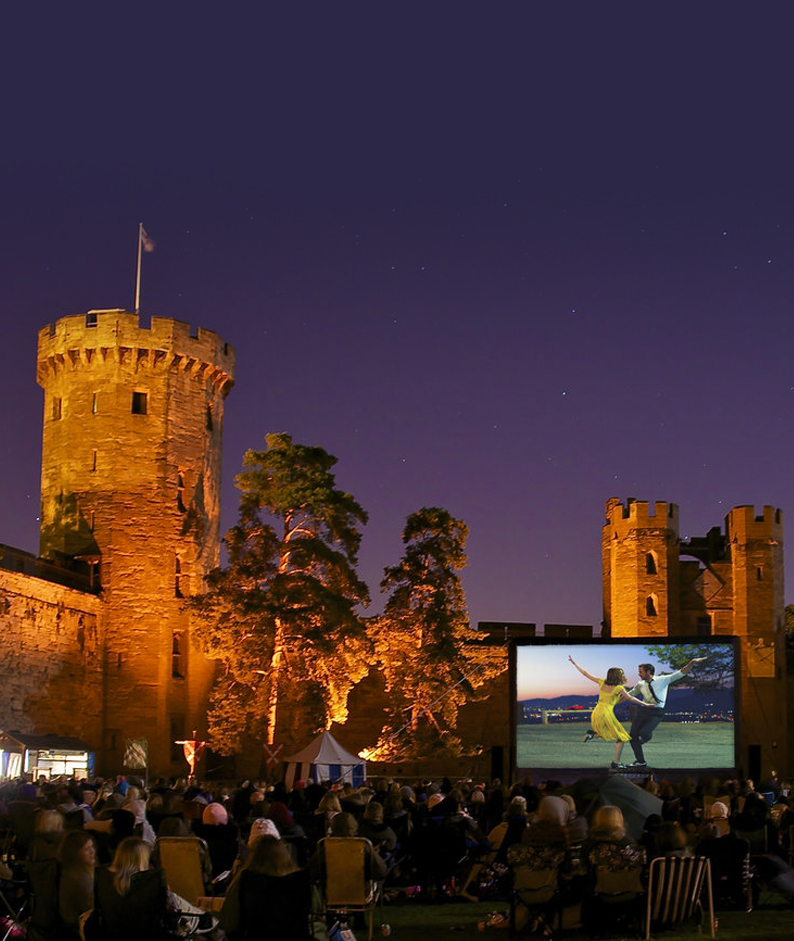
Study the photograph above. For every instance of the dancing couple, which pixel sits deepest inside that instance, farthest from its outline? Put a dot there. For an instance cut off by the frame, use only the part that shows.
(611, 691)
(603, 720)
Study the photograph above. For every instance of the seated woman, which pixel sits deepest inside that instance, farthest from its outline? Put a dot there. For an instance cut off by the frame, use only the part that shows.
(269, 898)
(608, 844)
(608, 826)
(550, 826)
(379, 833)
(614, 873)
(76, 888)
(328, 808)
(510, 830)
(130, 900)
(221, 836)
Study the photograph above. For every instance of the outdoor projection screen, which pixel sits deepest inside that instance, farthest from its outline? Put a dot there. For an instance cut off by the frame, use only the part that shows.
(553, 702)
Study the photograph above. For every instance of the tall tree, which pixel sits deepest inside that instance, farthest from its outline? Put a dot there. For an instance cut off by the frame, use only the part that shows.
(423, 640)
(281, 617)
(715, 673)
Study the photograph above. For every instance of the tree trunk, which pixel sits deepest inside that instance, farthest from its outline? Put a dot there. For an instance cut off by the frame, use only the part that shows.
(275, 669)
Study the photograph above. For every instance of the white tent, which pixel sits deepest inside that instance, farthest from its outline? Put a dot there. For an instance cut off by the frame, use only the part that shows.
(324, 759)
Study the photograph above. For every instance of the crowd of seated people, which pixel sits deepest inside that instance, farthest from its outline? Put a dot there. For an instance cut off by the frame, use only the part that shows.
(429, 839)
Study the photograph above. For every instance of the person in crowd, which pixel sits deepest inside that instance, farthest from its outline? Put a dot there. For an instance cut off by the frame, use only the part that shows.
(717, 819)
(754, 824)
(220, 835)
(269, 898)
(671, 840)
(577, 823)
(550, 826)
(130, 899)
(47, 836)
(346, 825)
(379, 833)
(263, 826)
(397, 817)
(510, 830)
(141, 827)
(329, 807)
(607, 826)
(78, 857)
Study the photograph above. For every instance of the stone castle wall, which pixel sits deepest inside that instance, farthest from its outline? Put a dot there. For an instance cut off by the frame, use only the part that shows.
(733, 587)
(51, 642)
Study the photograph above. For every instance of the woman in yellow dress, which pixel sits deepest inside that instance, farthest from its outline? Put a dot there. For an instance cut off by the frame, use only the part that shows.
(603, 719)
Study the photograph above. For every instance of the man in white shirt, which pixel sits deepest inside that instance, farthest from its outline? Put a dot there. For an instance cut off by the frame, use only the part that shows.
(651, 689)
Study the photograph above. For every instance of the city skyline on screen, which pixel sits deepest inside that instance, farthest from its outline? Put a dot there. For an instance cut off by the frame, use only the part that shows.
(543, 671)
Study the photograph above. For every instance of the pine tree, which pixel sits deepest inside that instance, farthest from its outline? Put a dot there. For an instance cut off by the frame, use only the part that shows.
(282, 616)
(424, 644)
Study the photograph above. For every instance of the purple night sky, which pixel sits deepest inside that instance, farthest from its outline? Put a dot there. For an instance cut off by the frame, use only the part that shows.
(511, 259)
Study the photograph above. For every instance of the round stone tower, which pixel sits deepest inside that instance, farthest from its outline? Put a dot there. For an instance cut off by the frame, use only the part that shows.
(130, 487)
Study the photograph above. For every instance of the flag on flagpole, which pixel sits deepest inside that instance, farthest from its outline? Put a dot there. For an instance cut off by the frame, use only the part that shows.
(147, 242)
(136, 752)
(192, 749)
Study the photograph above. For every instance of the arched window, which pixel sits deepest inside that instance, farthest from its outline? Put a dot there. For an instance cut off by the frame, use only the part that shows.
(651, 568)
(651, 606)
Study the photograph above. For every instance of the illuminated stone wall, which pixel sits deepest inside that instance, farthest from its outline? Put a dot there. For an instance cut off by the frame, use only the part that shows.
(727, 583)
(51, 656)
(131, 471)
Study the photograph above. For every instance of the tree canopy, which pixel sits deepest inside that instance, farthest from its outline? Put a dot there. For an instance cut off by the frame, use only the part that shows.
(282, 616)
(717, 672)
(423, 640)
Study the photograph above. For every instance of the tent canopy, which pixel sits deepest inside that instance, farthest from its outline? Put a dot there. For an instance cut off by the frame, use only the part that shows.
(324, 759)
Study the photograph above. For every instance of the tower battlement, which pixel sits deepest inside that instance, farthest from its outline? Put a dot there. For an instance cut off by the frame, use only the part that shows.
(640, 514)
(118, 335)
(742, 524)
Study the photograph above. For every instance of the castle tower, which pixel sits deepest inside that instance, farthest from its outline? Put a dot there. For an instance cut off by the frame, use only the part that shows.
(130, 485)
(734, 587)
(640, 569)
(755, 545)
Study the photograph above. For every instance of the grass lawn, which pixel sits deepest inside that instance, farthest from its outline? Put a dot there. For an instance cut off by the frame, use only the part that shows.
(423, 922)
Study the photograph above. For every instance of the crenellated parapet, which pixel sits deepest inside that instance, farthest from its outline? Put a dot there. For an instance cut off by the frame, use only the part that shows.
(640, 514)
(742, 524)
(116, 337)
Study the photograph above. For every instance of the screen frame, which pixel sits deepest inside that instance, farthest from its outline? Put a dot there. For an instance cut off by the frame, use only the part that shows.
(519, 771)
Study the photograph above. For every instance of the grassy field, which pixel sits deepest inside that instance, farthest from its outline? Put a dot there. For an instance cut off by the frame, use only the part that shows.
(421, 922)
(674, 745)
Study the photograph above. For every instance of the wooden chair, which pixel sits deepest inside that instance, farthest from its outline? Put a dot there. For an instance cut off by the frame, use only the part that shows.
(676, 887)
(346, 877)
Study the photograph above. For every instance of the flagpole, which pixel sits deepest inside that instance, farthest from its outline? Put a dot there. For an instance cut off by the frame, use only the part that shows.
(138, 271)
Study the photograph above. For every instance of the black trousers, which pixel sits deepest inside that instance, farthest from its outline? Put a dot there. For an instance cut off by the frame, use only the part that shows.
(643, 726)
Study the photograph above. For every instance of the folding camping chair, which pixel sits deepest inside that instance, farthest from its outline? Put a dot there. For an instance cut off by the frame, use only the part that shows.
(676, 886)
(346, 877)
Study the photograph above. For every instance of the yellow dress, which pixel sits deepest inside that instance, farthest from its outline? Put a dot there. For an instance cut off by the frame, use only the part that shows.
(603, 717)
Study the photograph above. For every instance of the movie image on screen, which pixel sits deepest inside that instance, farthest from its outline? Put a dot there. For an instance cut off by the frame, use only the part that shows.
(555, 702)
